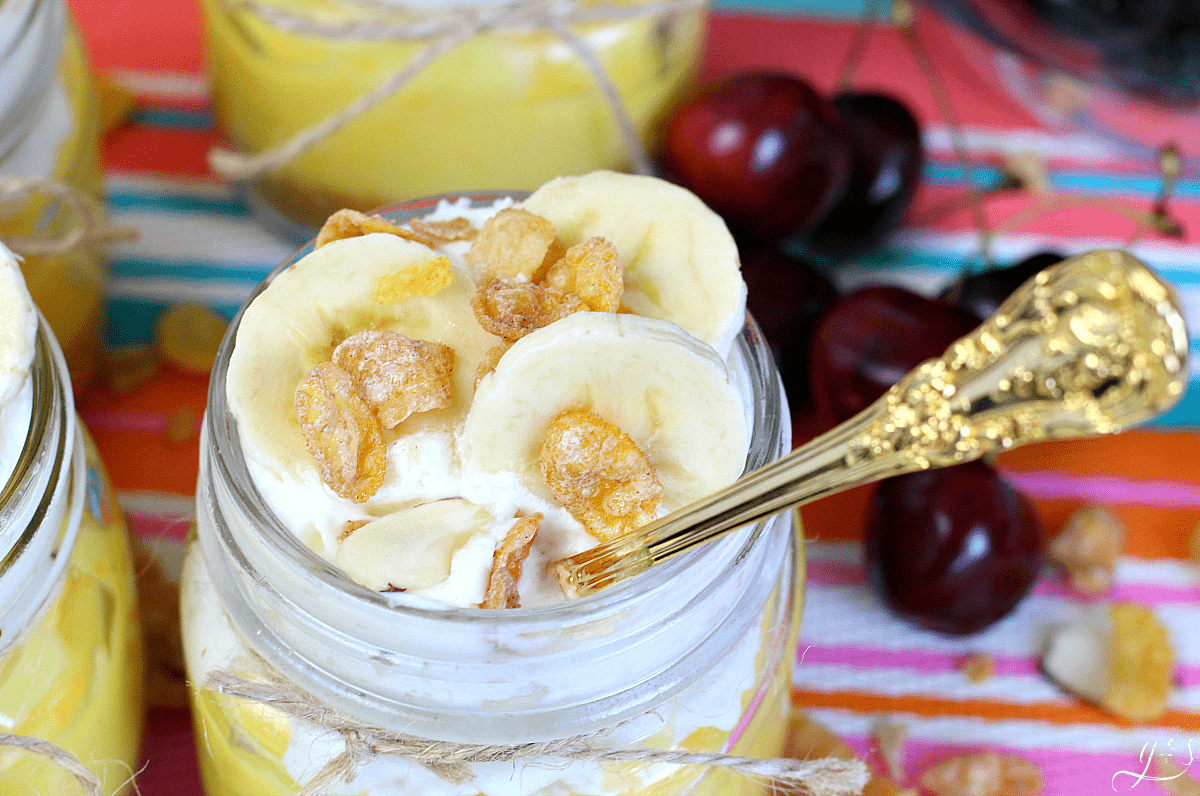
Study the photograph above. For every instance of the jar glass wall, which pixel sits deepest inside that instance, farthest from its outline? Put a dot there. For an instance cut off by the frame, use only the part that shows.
(70, 649)
(507, 109)
(50, 130)
(694, 654)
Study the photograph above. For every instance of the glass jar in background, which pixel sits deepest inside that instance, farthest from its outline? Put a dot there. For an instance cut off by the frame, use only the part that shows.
(695, 654)
(70, 647)
(505, 109)
(50, 130)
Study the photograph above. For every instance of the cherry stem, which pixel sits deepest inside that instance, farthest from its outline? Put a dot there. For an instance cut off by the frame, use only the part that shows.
(858, 46)
(1054, 203)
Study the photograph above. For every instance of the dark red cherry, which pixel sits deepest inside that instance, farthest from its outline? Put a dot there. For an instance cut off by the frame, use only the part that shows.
(786, 297)
(764, 150)
(869, 339)
(983, 292)
(952, 550)
(886, 170)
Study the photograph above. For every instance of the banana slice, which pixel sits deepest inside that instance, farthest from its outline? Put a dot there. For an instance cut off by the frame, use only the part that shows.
(681, 264)
(666, 390)
(326, 296)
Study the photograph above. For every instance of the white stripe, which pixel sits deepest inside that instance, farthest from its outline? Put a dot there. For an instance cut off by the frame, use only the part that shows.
(155, 184)
(160, 83)
(199, 236)
(983, 141)
(176, 291)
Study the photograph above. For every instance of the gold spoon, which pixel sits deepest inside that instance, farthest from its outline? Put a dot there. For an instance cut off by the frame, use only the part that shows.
(1089, 346)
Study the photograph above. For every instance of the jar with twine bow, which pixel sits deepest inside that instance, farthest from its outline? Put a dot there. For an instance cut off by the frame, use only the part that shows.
(70, 647)
(363, 103)
(675, 682)
(50, 185)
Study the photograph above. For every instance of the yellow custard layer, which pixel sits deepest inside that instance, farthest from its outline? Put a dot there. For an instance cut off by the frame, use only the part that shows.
(503, 111)
(69, 287)
(76, 679)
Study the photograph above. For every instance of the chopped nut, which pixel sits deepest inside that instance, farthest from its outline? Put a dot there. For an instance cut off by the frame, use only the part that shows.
(1173, 778)
(592, 271)
(890, 739)
(188, 336)
(127, 368)
(341, 432)
(395, 375)
(439, 232)
(511, 308)
(506, 565)
(419, 279)
(512, 243)
(1088, 548)
(978, 667)
(181, 425)
(984, 774)
(346, 223)
(599, 474)
(809, 739)
(350, 527)
(491, 358)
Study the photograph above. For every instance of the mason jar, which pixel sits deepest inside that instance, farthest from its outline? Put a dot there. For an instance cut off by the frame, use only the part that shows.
(511, 106)
(70, 645)
(50, 130)
(694, 654)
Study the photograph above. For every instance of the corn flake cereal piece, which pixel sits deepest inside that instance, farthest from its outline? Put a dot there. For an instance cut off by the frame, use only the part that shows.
(984, 774)
(188, 336)
(1174, 778)
(350, 527)
(491, 358)
(419, 279)
(436, 233)
(506, 565)
(1088, 547)
(397, 376)
(1141, 664)
(978, 667)
(347, 223)
(891, 738)
(512, 243)
(592, 271)
(341, 432)
(511, 308)
(599, 474)
(129, 367)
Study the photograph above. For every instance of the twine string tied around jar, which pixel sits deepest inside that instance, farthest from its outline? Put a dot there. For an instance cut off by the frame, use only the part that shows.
(452, 761)
(445, 29)
(89, 783)
(86, 225)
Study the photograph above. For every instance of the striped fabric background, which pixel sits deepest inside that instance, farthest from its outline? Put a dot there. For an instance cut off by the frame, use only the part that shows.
(855, 663)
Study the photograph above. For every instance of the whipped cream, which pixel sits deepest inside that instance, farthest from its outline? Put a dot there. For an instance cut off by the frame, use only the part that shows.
(18, 331)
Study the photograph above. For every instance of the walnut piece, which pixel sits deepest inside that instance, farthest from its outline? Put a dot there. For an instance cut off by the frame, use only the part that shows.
(984, 774)
(1088, 547)
(341, 432)
(506, 565)
(397, 376)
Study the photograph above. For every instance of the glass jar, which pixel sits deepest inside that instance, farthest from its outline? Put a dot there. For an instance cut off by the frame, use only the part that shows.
(694, 654)
(50, 130)
(508, 108)
(70, 648)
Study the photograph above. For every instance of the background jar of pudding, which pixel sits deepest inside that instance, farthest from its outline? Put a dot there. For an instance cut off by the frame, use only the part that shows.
(70, 649)
(508, 108)
(50, 130)
(694, 654)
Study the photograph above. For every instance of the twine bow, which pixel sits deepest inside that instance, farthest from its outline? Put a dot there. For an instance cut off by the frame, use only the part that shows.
(452, 761)
(89, 783)
(444, 30)
(87, 226)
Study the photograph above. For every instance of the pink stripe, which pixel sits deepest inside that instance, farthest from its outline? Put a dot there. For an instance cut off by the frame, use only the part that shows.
(159, 526)
(1105, 489)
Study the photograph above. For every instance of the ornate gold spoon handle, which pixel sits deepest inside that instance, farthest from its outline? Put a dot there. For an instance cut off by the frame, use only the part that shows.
(1089, 346)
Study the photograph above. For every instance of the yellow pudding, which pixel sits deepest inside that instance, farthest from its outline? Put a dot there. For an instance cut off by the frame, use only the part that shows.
(508, 109)
(55, 137)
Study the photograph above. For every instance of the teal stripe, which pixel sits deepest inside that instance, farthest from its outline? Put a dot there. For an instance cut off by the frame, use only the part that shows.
(1186, 413)
(131, 321)
(171, 118)
(943, 173)
(192, 270)
(176, 203)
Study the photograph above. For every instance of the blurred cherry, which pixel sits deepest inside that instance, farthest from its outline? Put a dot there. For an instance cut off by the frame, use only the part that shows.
(869, 339)
(887, 163)
(764, 150)
(983, 292)
(952, 550)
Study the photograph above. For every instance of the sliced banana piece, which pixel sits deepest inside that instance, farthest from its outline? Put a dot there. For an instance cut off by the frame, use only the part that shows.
(681, 264)
(326, 296)
(413, 548)
(669, 392)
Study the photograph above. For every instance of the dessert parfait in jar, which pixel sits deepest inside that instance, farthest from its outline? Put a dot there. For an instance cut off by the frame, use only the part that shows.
(50, 186)
(468, 95)
(70, 650)
(408, 424)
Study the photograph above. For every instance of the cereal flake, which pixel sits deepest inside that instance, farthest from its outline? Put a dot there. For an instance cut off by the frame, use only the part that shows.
(395, 375)
(506, 565)
(512, 243)
(891, 738)
(984, 774)
(419, 279)
(1141, 661)
(512, 308)
(341, 432)
(1088, 547)
(347, 223)
(592, 271)
(435, 233)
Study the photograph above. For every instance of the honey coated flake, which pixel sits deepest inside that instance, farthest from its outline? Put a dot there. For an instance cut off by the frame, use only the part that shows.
(1088, 547)
(347, 223)
(506, 565)
(513, 243)
(491, 358)
(984, 774)
(435, 233)
(592, 271)
(1141, 664)
(599, 474)
(512, 308)
(419, 279)
(395, 375)
(891, 740)
(341, 432)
